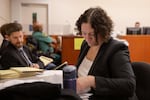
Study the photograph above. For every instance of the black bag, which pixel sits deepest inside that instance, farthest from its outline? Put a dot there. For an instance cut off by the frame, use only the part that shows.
(37, 91)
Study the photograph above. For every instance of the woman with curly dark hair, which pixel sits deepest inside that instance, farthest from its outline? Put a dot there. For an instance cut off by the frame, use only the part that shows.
(104, 67)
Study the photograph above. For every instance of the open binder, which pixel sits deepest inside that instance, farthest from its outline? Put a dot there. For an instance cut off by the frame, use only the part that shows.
(45, 60)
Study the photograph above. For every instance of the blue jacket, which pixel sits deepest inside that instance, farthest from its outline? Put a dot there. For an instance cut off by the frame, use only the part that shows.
(43, 41)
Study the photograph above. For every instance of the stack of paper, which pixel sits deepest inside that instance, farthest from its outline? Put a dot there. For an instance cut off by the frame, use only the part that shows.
(5, 74)
(16, 72)
(26, 69)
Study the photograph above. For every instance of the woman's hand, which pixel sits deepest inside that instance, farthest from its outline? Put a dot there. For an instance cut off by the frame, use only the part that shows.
(85, 83)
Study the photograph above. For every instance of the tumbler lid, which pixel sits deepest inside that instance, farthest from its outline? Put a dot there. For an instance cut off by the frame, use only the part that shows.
(69, 68)
(69, 72)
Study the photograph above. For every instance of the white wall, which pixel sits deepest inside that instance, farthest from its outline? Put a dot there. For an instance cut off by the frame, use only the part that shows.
(64, 13)
(123, 12)
(16, 9)
(4, 13)
(42, 16)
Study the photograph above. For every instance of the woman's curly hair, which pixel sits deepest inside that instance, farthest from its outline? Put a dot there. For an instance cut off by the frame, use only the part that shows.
(99, 20)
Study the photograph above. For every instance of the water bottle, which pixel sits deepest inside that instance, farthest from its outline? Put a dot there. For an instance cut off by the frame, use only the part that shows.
(69, 77)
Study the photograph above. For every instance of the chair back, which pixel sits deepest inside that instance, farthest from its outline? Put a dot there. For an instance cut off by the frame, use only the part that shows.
(142, 73)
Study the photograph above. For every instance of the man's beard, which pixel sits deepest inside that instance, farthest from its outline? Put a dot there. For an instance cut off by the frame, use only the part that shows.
(19, 44)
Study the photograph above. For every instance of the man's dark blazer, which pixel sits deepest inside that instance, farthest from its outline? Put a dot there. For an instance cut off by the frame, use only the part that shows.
(3, 46)
(112, 69)
(11, 57)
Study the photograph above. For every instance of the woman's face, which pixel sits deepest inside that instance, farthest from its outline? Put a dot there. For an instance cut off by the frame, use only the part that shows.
(88, 34)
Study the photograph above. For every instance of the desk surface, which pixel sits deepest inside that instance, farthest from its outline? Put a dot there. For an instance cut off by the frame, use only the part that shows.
(51, 76)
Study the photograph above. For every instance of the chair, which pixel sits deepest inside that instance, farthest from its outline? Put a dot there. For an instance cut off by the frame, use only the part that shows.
(142, 73)
(1, 67)
(32, 44)
(0, 63)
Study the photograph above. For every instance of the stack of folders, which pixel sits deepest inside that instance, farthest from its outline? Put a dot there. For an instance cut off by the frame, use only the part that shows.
(18, 72)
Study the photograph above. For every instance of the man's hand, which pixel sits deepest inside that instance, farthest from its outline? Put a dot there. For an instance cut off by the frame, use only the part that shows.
(35, 65)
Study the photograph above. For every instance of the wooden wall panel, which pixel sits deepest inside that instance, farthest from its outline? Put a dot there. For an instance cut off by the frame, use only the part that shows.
(68, 53)
(139, 47)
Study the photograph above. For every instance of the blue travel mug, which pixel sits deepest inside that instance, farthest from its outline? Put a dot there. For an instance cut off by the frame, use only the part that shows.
(69, 77)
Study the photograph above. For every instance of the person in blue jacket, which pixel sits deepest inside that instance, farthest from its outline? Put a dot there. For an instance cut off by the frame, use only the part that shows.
(45, 43)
